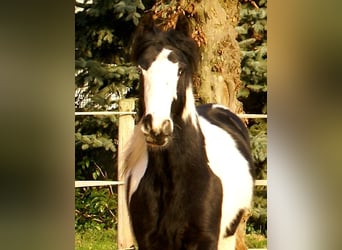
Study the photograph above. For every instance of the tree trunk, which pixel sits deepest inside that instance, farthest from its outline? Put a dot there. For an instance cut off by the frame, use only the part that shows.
(220, 66)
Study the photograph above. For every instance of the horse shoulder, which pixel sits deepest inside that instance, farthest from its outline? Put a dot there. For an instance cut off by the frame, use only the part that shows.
(225, 158)
(218, 120)
(222, 117)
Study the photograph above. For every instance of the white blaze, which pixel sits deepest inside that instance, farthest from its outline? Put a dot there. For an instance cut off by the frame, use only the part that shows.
(160, 87)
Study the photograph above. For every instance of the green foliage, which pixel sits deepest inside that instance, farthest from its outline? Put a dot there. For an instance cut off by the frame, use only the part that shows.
(104, 239)
(256, 240)
(100, 86)
(95, 141)
(95, 208)
(95, 132)
(258, 135)
(95, 147)
(103, 72)
(257, 223)
(252, 37)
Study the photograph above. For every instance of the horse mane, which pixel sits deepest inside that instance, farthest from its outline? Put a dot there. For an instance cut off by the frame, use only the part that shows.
(134, 148)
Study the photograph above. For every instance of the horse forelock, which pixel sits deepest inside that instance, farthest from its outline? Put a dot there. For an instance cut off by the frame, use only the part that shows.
(149, 44)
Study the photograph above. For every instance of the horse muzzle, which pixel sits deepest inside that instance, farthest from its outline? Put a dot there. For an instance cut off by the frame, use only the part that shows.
(157, 132)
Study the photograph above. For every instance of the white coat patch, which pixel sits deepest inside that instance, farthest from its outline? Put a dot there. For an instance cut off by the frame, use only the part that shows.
(227, 163)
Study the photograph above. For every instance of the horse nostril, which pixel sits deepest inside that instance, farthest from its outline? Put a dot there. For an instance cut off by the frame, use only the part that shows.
(147, 124)
(160, 129)
(166, 127)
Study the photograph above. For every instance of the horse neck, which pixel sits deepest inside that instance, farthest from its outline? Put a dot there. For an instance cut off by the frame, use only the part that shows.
(187, 136)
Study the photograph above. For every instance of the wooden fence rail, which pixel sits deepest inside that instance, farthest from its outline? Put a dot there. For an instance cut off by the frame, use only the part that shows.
(126, 114)
(97, 183)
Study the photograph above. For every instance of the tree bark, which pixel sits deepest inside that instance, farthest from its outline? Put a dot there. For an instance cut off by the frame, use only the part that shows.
(220, 65)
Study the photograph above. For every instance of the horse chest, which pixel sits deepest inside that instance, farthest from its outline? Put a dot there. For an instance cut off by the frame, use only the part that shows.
(172, 187)
(170, 204)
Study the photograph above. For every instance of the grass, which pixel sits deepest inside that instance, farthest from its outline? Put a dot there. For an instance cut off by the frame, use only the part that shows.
(105, 239)
(256, 241)
(94, 239)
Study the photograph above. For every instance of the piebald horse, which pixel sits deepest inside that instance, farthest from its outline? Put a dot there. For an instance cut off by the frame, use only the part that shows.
(189, 170)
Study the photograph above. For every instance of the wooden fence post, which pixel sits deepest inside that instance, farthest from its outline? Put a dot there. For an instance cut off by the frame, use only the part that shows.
(126, 126)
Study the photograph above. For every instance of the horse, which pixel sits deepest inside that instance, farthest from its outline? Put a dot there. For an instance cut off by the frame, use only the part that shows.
(188, 169)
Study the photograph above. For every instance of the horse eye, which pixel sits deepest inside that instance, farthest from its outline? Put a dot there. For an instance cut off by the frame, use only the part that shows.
(180, 71)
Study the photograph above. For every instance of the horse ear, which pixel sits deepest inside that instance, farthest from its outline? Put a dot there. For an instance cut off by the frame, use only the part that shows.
(146, 22)
(146, 25)
(182, 25)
